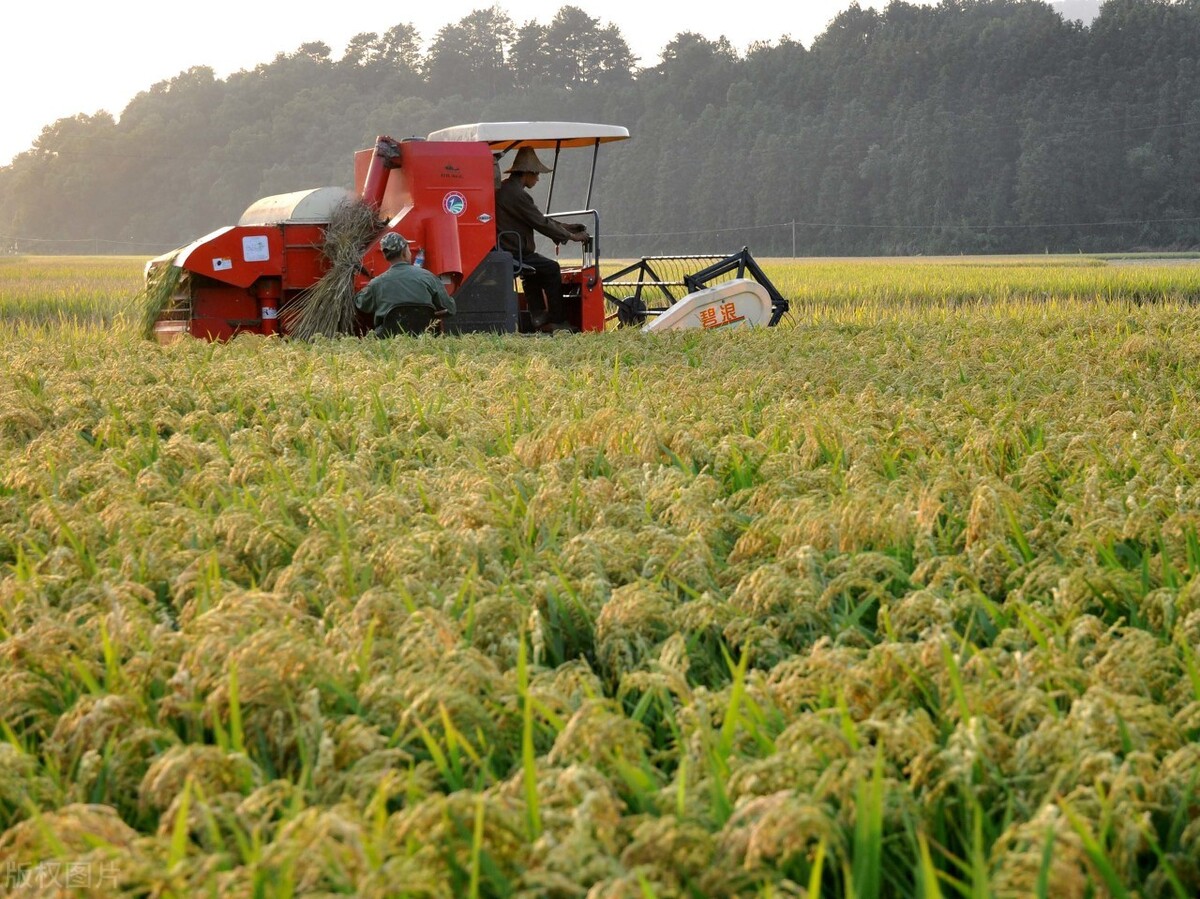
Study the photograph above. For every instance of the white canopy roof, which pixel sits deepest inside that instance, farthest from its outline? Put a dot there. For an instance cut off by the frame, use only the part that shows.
(539, 135)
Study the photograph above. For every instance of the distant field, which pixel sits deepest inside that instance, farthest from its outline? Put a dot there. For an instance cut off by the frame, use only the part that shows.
(62, 289)
(899, 599)
(41, 289)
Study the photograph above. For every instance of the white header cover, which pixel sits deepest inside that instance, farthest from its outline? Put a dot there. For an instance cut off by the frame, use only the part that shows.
(315, 205)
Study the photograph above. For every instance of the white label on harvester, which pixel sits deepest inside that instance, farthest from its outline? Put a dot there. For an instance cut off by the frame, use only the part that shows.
(255, 249)
(270, 312)
(222, 264)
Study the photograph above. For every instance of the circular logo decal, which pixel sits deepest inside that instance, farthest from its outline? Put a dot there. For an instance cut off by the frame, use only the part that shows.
(454, 203)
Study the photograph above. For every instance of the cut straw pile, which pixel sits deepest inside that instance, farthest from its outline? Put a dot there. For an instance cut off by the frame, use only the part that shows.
(327, 308)
(157, 293)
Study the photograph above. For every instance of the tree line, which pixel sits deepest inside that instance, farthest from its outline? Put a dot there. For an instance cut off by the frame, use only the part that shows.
(970, 126)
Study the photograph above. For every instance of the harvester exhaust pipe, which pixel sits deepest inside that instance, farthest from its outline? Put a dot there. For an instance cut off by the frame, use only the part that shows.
(386, 158)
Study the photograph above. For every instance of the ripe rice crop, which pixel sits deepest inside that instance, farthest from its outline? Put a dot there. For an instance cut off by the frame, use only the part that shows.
(44, 290)
(901, 598)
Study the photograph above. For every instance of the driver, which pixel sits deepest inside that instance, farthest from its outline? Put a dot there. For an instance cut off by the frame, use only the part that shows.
(516, 212)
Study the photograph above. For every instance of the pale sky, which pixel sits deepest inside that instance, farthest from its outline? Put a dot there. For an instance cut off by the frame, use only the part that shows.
(72, 57)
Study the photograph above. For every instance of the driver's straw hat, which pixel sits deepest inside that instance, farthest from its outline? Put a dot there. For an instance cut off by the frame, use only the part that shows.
(527, 161)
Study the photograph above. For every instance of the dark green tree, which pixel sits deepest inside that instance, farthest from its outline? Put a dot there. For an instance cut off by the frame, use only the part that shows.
(970, 125)
(470, 57)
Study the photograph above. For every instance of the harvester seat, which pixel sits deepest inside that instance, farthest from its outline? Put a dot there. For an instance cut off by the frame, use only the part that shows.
(520, 271)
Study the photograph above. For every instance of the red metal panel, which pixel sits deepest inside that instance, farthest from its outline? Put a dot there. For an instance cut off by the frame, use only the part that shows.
(396, 197)
(591, 298)
(443, 194)
(444, 253)
(237, 255)
(220, 311)
(591, 291)
(211, 329)
(303, 261)
(450, 178)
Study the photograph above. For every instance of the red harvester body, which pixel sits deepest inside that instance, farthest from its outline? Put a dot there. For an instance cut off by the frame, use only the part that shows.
(440, 195)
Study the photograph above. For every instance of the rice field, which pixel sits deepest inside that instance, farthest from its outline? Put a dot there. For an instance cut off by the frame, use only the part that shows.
(899, 599)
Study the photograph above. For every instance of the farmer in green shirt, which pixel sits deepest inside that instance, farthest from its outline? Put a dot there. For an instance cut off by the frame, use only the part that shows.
(405, 298)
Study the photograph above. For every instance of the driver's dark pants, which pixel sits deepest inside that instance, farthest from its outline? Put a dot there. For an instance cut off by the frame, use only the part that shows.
(543, 286)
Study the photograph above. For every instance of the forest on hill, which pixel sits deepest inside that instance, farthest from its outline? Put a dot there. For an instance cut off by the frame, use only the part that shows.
(971, 126)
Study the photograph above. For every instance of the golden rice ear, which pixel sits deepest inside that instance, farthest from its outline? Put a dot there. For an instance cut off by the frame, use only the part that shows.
(211, 769)
(1019, 858)
(66, 832)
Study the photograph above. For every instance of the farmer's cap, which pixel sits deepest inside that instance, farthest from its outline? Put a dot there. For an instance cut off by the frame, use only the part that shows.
(393, 244)
(527, 161)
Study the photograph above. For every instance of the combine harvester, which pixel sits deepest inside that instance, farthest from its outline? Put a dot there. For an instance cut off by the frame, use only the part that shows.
(439, 193)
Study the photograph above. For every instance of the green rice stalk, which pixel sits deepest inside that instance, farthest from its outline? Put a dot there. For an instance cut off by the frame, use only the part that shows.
(818, 867)
(1096, 853)
(1164, 862)
(528, 755)
(1043, 880)
(236, 737)
(179, 828)
(733, 711)
(867, 855)
(1190, 666)
(476, 847)
(928, 878)
(645, 886)
(451, 774)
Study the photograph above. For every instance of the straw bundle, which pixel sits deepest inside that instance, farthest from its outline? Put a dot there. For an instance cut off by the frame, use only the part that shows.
(157, 294)
(327, 308)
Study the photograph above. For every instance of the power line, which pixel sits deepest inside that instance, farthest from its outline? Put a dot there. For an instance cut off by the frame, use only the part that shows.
(704, 231)
(91, 240)
(1120, 223)
(1076, 126)
(922, 227)
(1155, 127)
